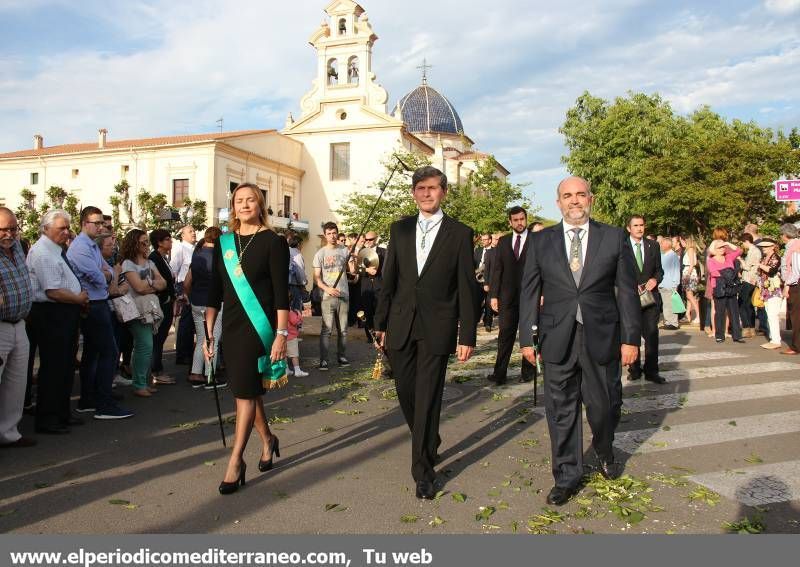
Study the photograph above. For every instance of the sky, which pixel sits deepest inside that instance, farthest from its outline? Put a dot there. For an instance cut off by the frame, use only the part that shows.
(145, 68)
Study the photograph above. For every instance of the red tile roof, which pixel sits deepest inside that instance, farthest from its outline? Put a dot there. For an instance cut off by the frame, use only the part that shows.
(136, 143)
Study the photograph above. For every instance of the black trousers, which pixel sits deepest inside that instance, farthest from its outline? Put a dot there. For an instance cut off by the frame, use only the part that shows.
(579, 379)
(746, 310)
(488, 314)
(419, 380)
(157, 363)
(184, 334)
(650, 335)
(506, 338)
(370, 288)
(793, 316)
(729, 305)
(55, 326)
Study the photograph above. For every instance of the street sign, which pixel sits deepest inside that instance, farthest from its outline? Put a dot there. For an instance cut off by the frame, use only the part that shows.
(787, 190)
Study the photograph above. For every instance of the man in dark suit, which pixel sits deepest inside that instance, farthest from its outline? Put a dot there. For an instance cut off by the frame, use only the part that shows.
(648, 275)
(482, 259)
(507, 266)
(427, 305)
(588, 324)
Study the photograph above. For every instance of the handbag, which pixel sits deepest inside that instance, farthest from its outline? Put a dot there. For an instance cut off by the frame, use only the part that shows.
(756, 299)
(125, 308)
(677, 303)
(646, 298)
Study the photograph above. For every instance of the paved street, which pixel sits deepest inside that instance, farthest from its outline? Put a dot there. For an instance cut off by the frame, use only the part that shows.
(718, 443)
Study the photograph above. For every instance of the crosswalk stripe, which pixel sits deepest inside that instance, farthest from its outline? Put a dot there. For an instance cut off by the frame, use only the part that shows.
(707, 432)
(733, 370)
(699, 356)
(757, 485)
(669, 347)
(714, 396)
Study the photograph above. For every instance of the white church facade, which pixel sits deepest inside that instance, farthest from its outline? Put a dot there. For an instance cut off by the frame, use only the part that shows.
(334, 147)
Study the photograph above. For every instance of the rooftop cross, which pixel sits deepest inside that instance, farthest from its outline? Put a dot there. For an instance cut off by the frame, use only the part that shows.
(425, 68)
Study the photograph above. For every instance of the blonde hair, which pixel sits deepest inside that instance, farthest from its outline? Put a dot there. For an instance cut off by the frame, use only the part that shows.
(262, 205)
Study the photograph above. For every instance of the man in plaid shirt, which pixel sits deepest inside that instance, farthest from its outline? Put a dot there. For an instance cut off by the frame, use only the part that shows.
(15, 303)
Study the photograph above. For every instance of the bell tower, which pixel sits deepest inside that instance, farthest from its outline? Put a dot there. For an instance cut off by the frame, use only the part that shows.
(344, 43)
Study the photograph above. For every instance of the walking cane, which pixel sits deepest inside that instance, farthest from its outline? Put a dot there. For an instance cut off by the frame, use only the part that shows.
(538, 369)
(213, 381)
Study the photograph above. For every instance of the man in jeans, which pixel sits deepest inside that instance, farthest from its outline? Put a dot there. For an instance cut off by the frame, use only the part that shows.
(672, 277)
(330, 264)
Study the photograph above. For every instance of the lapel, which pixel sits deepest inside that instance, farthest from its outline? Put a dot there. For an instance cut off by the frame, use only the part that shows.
(557, 243)
(438, 243)
(595, 237)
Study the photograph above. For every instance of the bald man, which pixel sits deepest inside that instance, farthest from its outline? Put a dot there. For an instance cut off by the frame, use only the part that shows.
(589, 323)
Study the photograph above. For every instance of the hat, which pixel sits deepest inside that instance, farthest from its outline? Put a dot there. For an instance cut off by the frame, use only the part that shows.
(766, 242)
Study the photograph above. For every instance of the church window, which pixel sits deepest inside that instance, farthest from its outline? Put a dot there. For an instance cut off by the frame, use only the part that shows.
(287, 206)
(333, 72)
(180, 192)
(352, 70)
(342, 26)
(34, 178)
(340, 161)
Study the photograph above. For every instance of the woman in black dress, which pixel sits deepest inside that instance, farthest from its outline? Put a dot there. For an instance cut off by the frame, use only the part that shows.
(264, 259)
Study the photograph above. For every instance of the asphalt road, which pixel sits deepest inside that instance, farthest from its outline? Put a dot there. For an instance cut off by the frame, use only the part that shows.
(718, 443)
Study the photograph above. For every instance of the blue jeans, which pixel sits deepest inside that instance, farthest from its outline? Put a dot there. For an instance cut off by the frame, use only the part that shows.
(334, 312)
(99, 358)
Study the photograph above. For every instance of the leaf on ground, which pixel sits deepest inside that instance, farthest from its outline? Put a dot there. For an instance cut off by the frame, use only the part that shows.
(209, 463)
(188, 425)
(661, 444)
(494, 493)
(348, 412)
(41, 485)
(666, 428)
(703, 494)
(670, 480)
(459, 497)
(745, 526)
(503, 505)
(514, 526)
(359, 398)
(325, 401)
(484, 513)
(280, 494)
(279, 419)
(497, 396)
(529, 443)
(130, 506)
(389, 394)
(335, 507)
(732, 423)
(437, 521)
(118, 502)
(230, 419)
(439, 495)
(753, 458)
(409, 519)
(326, 429)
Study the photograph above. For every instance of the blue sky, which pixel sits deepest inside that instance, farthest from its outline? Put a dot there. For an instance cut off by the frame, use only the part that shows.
(511, 69)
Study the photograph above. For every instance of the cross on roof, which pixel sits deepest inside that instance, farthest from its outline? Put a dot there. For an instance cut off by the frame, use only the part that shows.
(424, 68)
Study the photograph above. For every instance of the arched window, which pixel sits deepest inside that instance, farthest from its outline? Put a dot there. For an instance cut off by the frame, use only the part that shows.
(352, 70)
(333, 72)
(342, 26)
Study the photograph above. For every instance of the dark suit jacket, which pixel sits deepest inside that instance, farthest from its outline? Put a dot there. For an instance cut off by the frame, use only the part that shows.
(651, 256)
(488, 266)
(507, 271)
(476, 257)
(607, 294)
(442, 296)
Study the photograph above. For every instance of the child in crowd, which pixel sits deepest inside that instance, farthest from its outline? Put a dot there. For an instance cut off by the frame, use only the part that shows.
(293, 341)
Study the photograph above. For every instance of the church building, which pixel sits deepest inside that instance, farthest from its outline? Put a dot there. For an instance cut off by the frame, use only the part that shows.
(335, 147)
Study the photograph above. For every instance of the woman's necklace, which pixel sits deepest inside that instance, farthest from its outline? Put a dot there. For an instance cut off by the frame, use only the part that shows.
(242, 249)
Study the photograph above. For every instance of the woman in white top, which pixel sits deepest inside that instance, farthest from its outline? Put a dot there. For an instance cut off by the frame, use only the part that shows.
(690, 279)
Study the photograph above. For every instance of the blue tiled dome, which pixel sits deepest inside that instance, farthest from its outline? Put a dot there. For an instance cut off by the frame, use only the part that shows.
(425, 110)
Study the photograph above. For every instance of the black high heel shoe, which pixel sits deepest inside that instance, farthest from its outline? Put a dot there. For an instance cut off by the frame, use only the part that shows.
(231, 487)
(274, 449)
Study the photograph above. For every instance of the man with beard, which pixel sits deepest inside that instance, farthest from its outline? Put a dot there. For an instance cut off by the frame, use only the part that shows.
(590, 322)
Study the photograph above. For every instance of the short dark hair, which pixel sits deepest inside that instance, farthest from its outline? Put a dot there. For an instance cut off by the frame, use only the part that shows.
(746, 237)
(516, 210)
(88, 211)
(330, 225)
(427, 172)
(293, 241)
(158, 235)
(106, 217)
(352, 235)
(633, 218)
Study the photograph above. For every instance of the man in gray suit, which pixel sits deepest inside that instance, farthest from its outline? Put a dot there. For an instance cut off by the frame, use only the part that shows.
(588, 324)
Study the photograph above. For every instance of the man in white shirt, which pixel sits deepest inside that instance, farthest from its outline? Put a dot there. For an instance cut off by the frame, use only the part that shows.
(180, 261)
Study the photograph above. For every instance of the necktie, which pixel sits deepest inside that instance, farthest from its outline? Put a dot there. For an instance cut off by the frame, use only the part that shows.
(639, 259)
(516, 246)
(576, 264)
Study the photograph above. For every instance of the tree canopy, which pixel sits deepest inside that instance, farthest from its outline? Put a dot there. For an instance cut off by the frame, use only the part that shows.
(685, 174)
(480, 203)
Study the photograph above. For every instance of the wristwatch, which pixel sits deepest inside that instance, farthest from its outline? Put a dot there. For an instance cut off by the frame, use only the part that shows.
(284, 332)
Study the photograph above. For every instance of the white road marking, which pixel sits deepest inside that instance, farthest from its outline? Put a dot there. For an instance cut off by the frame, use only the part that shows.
(710, 397)
(757, 485)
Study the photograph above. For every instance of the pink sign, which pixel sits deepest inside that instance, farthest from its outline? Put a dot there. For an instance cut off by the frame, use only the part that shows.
(787, 190)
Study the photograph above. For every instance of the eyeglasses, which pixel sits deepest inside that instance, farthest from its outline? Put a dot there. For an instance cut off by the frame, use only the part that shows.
(96, 223)
(368, 239)
(10, 229)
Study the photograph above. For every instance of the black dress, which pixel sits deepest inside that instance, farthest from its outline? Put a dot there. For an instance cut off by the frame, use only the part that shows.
(266, 267)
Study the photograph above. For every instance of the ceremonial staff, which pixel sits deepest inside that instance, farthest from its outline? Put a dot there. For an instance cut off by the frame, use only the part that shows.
(213, 381)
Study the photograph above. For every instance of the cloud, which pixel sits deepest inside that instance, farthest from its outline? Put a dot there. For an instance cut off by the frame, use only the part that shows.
(782, 6)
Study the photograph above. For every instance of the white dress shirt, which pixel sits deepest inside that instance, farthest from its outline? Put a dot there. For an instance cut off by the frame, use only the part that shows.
(584, 235)
(435, 222)
(49, 271)
(523, 237)
(181, 260)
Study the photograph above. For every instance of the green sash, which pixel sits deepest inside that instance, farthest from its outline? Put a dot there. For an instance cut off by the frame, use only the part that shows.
(272, 375)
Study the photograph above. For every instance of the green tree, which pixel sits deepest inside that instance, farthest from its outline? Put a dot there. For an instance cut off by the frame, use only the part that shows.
(194, 213)
(30, 216)
(396, 202)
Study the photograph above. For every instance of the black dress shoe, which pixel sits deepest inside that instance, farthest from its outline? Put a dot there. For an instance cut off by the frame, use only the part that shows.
(73, 420)
(656, 379)
(559, 495)
(425, 490)
(494, 379)
(634, 377)
(739, 341)
(610, 470)
(525, 379)
(53, 429)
